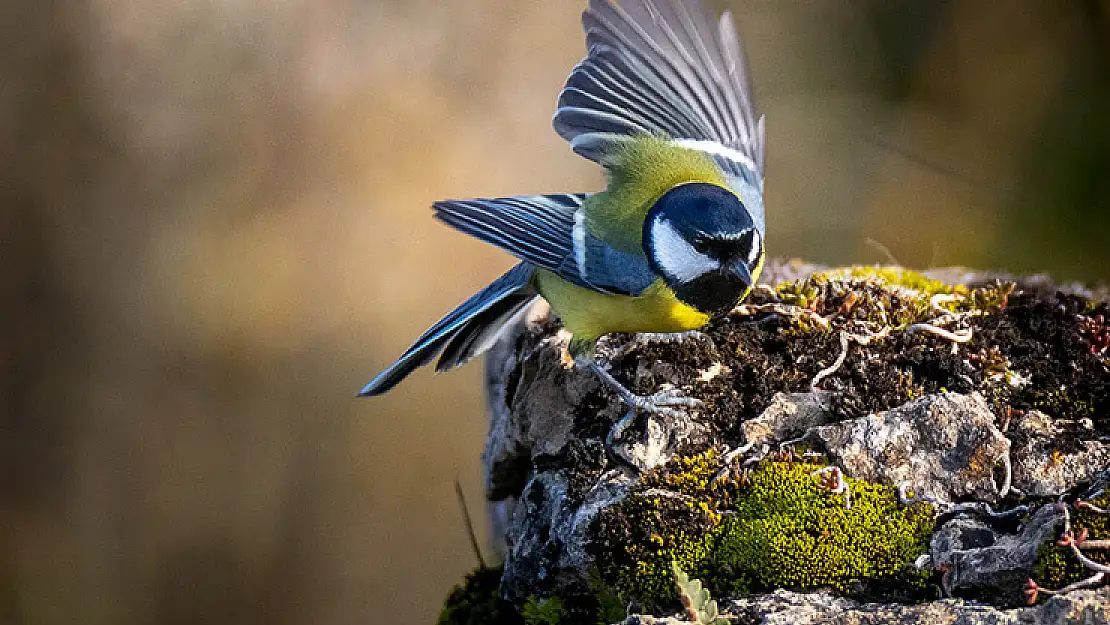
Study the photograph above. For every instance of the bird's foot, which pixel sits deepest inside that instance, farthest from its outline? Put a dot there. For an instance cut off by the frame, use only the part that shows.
(655, 445)
(669, 402)
(652, 447)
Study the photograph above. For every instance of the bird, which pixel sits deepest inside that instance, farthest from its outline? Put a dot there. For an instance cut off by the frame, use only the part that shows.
(663, 102)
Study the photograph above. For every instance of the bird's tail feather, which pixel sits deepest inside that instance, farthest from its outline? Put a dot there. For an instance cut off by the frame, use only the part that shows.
(465, 332)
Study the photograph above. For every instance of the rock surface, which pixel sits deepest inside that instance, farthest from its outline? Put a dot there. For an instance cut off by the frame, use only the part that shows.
(791, 608)
(973, 554)
(1041, 467)
(790, 415)
(943, 446)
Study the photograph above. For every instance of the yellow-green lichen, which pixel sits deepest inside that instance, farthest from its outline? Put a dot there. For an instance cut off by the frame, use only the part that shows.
(892, 296)
(774, 526)
(1057, 566)
(894, 276)
(881, 296)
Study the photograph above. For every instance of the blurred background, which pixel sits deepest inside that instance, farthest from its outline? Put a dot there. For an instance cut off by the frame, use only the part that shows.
(214, 228)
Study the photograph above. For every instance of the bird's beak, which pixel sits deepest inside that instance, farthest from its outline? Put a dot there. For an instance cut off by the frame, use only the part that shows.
(741, 270)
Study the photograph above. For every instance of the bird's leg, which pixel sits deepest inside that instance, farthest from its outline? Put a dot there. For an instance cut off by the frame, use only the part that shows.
(666, 402)
(658, 436)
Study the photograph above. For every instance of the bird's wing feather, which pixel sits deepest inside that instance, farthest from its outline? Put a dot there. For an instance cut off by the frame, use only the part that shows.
(549, 231)
(465, 332)
(662, 67)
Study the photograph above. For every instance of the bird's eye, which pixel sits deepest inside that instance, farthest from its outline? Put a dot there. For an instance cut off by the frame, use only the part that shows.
(701, 244)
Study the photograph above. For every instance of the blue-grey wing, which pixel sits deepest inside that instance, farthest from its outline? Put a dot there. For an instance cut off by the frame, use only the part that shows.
(663, 67)
(549, 231)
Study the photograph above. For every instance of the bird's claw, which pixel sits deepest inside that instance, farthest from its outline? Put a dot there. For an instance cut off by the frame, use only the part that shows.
(654, 445)
(665, 402)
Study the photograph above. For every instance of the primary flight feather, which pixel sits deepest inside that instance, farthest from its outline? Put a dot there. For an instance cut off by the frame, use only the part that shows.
(662, 101)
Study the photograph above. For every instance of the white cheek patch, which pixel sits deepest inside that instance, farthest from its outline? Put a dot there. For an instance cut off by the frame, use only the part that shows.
(676, 256)
(757, 246)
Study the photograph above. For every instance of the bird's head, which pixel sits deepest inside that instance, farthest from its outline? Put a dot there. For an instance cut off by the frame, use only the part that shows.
(702, 240)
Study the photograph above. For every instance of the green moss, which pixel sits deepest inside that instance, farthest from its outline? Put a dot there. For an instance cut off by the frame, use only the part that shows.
(881, 296)
(801, 293)
(542, 611)
(771, 527)
(1057, 566)
(789, 533)
(477, 602)
(991, 298)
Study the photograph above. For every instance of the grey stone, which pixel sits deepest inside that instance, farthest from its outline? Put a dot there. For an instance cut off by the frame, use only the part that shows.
(974, 555)
(942, 446)
(532, 398)
(547, 536)
(1041, 469)
(788, 416)
(655, 443)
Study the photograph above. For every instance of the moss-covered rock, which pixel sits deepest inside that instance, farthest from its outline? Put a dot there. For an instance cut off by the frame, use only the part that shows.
(773, 526)
(872, 340)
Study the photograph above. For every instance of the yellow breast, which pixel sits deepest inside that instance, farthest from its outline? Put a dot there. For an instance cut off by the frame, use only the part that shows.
(589, 315)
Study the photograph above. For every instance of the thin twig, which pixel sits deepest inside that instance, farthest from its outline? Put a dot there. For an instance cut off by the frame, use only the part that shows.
(469, 525)
(884, 250)
(1008, 478)
(943, 507)
(1091, 581)
(666, 494)
(942, 298)
(1092, 507)
(729, 458)
(1069, 540)
(1097, 545)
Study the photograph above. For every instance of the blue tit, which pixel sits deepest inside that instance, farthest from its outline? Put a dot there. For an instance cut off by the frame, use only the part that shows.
(662, 102)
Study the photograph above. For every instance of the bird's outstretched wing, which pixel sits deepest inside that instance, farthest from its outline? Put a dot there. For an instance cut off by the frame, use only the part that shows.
(549, 231)
(662, 67)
